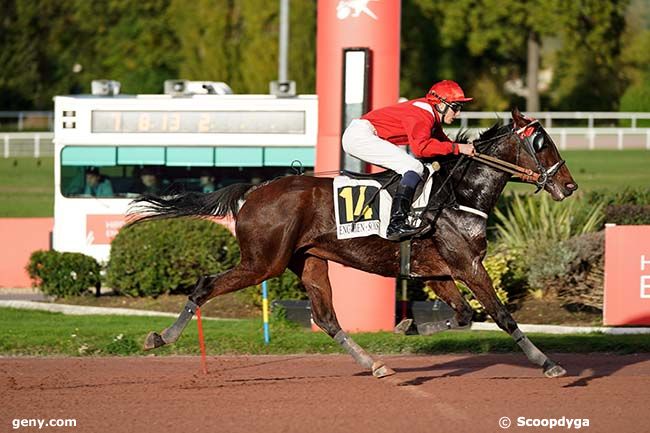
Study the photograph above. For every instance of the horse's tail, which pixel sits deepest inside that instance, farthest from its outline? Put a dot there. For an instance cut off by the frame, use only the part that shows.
(220, 203)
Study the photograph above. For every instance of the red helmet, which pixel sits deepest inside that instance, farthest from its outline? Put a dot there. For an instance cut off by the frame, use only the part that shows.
(446, 91)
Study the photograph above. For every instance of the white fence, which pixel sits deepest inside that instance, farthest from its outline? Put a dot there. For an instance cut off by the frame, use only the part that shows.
(27, 144)
(569, 130)
(578, 130)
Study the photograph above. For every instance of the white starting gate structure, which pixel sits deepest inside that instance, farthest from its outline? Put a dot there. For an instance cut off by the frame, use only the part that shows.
(109, 149)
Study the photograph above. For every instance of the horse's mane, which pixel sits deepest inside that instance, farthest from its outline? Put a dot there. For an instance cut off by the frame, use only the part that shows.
(485, 138)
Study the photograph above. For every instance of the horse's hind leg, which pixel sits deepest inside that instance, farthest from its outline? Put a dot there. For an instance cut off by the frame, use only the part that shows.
(447, 291)
(313, 273)
(262, 257)
(206, 288)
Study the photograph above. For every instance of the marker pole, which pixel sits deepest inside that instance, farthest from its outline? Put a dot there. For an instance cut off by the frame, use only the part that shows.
(265, 312)
(199, 324)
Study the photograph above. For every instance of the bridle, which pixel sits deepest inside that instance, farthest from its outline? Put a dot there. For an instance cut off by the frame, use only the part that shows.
(532, 138)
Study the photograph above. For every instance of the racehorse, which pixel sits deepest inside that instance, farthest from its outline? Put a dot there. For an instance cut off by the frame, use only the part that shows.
(289, 222)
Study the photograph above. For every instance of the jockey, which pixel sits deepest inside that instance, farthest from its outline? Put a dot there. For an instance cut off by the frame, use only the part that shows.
(375, 138)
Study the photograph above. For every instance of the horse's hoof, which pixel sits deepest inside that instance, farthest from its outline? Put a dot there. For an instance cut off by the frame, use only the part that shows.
(153, 341)
(380, 370)
(403, 326)
(555, 370)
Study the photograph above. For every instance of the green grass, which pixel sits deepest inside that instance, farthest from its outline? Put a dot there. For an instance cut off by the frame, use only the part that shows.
(38, 333)
(26, 187)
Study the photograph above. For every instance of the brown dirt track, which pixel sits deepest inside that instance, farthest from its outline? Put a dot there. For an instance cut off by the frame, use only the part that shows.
(323, 393)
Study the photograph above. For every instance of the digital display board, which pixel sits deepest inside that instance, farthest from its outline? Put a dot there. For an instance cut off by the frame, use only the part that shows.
(219, 122)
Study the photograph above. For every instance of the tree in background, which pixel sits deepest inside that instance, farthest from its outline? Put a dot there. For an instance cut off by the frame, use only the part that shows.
(18, 57)
(237, 42)
(206, 46)
(58, 47)
(30, 74)
(588, 73)
(136, 45)
(490, 41)
(635, 57)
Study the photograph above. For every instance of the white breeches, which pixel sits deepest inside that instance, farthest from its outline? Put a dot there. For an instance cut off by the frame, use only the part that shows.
(361, 141)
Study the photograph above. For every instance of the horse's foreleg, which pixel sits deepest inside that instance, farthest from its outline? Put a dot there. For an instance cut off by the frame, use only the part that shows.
(313, 273)
(481, 285)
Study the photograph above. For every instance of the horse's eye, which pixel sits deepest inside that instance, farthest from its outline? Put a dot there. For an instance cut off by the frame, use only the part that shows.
(538, 142)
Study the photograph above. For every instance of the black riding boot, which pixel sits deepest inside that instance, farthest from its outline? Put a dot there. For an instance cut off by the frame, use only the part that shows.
(399, 228)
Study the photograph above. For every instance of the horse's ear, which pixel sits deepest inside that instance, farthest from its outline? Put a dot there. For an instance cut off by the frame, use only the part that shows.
(518, 118)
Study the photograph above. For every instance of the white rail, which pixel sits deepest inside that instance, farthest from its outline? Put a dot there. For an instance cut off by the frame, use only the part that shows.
(27, 144)
(569, 130)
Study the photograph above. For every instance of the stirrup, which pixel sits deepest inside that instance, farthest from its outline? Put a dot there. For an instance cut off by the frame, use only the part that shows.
(402, 235)
(404, 232)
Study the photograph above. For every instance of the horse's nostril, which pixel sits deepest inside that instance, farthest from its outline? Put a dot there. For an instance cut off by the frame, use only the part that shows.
(571, 186)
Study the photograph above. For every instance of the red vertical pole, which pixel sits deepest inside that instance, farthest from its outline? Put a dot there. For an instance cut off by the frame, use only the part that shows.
(199, 324)
(363, 302)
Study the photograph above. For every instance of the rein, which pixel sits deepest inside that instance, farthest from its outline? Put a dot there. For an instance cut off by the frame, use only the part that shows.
(517, 171)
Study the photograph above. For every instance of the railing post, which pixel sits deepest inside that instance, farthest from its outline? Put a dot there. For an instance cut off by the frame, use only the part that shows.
(647, 139)
(37, 145)
(591, 135)
(6, 146)
(549, 122)
(20, 120)
(619, 141)
(634, 121)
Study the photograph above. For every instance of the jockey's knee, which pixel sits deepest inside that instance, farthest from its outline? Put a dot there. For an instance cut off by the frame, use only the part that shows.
(415, 166)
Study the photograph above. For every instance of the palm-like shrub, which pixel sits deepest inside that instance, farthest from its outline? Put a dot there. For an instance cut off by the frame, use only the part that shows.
(533, 230)
(530, 223)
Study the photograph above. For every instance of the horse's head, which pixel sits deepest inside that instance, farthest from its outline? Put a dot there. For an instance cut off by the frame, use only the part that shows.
(542, 156)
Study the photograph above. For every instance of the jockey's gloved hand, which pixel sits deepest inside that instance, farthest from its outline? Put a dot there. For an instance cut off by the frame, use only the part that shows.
(466, 149)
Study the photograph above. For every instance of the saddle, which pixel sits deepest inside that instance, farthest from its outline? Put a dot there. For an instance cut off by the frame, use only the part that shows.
(388, 179)
(362, 201)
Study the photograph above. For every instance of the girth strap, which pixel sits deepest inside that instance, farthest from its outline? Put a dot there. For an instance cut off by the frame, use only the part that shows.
(405, 258)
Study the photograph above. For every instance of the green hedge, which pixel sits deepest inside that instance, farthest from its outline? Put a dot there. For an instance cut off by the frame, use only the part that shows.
(168, 256)
(63, 274)
(637, 98)
(638, 196)
(628, 214)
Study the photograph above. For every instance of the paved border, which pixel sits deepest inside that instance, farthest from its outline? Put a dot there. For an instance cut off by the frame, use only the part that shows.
(81, 310)
(558, 329)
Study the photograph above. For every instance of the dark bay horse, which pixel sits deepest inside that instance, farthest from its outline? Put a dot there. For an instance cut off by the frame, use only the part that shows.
(289, 222)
